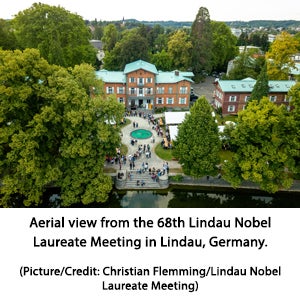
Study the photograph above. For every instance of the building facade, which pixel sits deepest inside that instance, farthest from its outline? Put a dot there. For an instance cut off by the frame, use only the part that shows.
(232, 95)
(140, 85)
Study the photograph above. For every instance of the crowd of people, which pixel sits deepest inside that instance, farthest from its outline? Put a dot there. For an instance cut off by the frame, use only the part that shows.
(138, 160)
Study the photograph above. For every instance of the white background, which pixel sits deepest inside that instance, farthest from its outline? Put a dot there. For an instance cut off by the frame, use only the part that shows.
(17, 249)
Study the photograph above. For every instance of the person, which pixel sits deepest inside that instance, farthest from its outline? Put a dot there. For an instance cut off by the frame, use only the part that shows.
(142, 183)
(137, 182)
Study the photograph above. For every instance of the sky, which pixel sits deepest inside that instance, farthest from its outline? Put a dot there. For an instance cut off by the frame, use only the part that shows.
(159, 10)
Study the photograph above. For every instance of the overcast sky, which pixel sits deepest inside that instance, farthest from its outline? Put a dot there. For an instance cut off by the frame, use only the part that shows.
(157, 10)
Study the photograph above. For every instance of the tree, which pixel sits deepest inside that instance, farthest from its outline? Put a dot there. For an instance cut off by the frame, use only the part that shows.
(110, 37)
(162, 60)
(179, 49)
(262, 147)
(52, 132)
(7, 38)
(279, 56)
(261, 87)
(131, 47)
(202, 41)
(61, 37)
(243, 67)
(294, 94)
(224, 45)
(197, 144)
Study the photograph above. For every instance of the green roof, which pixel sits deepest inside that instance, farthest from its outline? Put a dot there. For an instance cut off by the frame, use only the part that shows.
(296, 70)
(246, 85)
(111, 76)
(140, 64)
(170, 77)
(161, 77)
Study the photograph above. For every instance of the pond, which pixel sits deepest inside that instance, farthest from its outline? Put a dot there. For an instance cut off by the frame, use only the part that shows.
(195, 198)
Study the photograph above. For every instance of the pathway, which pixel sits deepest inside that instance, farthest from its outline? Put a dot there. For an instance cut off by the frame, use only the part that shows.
(153, 161)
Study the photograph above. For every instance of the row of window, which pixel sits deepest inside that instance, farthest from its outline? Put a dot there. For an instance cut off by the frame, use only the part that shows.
(141, 80)
(247, 98)
(159, 100)
(145, 91)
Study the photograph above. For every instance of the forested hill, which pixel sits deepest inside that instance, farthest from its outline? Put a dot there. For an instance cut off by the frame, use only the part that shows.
(264, 23)
(236, 24)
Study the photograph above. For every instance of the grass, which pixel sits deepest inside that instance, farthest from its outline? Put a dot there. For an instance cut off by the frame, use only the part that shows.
(165, 154)
(124, 149)
(231, 118)
(225, 155)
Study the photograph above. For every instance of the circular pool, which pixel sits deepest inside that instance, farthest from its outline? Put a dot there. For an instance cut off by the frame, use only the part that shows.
(141, 134)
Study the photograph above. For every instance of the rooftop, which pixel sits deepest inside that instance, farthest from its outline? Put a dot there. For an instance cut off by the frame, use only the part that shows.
(111, 76)
(161, 77)
(140, 64)
(247, 85)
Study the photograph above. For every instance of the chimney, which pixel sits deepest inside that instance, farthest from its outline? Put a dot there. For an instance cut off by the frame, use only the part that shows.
(176, 73)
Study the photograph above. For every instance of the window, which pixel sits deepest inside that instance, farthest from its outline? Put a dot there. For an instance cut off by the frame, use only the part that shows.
(159, 101)
(182, 100)
(121, 100)
(149, 101)
(183, 90)
(141, 81)
(149, 80)
(120, 90)
(132, 79)
(149, 91)
(287, 99)
(273, 98)
(141, 92)
(231, 108)
(170, 90)
(160, 90)
(132, 91)
(232, 99)
(247, 98)
(110, 90)
(170, 100)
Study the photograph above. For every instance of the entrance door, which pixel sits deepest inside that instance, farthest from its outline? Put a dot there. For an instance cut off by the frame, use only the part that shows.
(132, 104)
(141, 102)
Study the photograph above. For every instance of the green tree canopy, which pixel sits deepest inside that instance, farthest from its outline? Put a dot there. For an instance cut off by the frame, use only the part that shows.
(110, 37)
(52, 132)
(179, 49)
(279, 56)
(202, 41)
(61, 37)
(261, 87)
(197, 144)
(224, 45)
(263, 150)
(243, 67)
(131, 47)
(294, 94)
(7, 38)
(162, 60)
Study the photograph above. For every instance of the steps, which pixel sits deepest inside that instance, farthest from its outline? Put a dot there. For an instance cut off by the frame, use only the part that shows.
(149, 182)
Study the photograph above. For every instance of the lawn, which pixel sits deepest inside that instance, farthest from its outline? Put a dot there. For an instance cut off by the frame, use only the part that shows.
(165, 154)
(225, 155)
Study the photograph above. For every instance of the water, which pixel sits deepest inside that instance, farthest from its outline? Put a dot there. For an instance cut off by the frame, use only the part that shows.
(141, 134)
(179, 198)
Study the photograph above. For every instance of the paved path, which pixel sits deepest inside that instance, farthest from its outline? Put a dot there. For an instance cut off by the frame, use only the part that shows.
(154, 161)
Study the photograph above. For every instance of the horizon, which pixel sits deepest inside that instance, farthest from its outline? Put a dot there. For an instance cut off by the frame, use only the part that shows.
(166, 10)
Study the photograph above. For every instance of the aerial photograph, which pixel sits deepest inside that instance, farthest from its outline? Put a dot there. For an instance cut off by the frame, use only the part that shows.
(192, 104)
